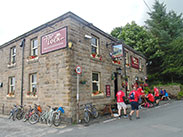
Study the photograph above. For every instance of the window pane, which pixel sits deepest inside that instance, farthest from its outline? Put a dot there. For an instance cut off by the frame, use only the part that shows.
(14, 51)
(94, 41)
(94, 49)
(95, 77)
(35, 43)
(34, 52)
(95, 87)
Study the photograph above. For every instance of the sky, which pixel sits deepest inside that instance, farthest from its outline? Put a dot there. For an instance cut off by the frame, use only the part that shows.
(20, 16)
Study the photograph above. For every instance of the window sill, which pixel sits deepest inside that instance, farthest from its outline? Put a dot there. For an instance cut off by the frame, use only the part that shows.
(97, 95)
(10, 96)
(116, 62)
(11, 65)
(30, 60)
(31, 96)
(96, 57)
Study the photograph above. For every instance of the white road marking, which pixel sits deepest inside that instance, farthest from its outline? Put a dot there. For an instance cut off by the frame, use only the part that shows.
(110, 120)
(65, 130)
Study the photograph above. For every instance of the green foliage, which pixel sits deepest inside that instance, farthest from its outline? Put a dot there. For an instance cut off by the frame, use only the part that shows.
(180, 95)
(167, 28)
(137, 37)
(146, 90)
(161, 41)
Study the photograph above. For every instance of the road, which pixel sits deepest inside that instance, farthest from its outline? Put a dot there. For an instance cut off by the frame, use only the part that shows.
(165, 120)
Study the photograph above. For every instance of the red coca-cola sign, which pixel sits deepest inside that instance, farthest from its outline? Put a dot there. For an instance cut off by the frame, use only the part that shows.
(54, 41)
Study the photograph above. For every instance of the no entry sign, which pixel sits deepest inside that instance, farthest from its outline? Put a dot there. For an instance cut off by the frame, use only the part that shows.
(78, 69)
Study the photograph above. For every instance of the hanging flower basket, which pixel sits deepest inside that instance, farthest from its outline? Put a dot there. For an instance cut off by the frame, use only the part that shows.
(82, 82)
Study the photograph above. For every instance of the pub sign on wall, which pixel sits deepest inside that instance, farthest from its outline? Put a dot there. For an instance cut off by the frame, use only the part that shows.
(54, 41)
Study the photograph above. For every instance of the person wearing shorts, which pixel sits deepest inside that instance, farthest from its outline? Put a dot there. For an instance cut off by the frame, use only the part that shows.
(120, 103)
(134, 98)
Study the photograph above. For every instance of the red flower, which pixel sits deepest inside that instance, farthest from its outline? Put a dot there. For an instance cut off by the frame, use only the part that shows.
(94, 55)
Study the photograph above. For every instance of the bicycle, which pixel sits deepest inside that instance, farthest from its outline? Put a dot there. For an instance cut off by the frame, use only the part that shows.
(34, 118)
(89, 110)
(13, 112)
(27, 114)
(20, 112)
(50, 116)
(44, 116)
(57, 116)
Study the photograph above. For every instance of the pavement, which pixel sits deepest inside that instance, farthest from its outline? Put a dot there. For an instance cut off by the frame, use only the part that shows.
(164, 120)
(101, 118)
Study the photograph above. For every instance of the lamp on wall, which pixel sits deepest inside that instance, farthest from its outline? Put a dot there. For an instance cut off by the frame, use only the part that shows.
(1, 85)
(88, 36)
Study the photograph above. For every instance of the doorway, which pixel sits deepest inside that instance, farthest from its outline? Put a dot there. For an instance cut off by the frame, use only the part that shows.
(115, 84)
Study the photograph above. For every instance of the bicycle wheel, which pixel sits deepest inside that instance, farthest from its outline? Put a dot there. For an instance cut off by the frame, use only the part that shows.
(14, 116)
(34, 118)
(95, 112)
(10, 115)
(86, 117)
(56, 119)
(49, 122)
(19, 114)
(26, 117)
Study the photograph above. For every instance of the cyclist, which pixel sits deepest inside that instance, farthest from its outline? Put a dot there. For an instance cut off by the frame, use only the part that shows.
(134, 98)
(120, 103)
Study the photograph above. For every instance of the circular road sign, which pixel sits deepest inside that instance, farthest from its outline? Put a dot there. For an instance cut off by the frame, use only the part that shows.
(78, 70)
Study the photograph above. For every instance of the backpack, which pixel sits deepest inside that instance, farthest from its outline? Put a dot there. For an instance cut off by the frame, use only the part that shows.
(132, 95)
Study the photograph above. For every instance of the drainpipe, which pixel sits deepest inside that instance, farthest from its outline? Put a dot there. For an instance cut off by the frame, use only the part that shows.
(124, 54)
(22, 45)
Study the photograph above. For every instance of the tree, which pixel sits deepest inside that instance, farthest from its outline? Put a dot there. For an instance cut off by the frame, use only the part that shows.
(165, 27)
(173, 62)
(160, 40)
(137, 37)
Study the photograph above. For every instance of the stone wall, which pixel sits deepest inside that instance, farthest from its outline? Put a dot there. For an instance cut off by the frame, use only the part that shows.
(52, 69)
(172, 89)
(81, 55)
(56, 76)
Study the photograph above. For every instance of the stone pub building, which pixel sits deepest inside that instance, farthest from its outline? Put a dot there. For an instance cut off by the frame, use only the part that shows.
(39, 66)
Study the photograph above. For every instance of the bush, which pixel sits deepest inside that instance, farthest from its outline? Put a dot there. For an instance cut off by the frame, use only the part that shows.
(146, 90)
(180, 95)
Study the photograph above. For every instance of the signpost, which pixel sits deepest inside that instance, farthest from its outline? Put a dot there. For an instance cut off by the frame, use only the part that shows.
(78, 71)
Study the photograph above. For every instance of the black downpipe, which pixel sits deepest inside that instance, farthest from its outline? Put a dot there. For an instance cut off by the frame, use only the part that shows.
(22, 80)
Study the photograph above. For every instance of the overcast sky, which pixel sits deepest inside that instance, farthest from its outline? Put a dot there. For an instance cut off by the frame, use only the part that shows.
(21, 16)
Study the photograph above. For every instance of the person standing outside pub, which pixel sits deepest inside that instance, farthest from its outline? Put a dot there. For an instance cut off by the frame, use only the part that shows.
(156, 95)
(120, 103)
(134, 98)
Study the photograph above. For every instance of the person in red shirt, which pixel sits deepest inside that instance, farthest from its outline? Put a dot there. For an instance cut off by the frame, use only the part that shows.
(120, 103)
(156, 95)
(134, 98)
(150, 98)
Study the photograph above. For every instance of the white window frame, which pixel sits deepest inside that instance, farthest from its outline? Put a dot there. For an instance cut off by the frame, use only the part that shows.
(34, 47)
(11, 85)
(33, 84)
(13, 55)
(95, 46)
(97, 82)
